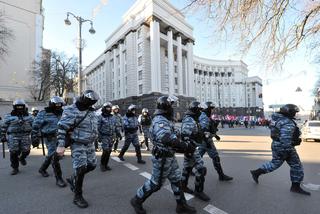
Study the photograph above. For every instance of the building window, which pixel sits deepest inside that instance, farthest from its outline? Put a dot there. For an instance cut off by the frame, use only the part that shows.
(139, 33)
(124, 55)
(176, 80)
(139, 47)
(175, 69)
(140, 61)
(140, 75)
(176, 91)
(140, 89)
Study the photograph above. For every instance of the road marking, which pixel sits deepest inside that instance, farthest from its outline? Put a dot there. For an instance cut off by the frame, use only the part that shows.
(130, 166)
(314, 187)
(116, 159)
(186, 195)
(213, 210)
(146, 175)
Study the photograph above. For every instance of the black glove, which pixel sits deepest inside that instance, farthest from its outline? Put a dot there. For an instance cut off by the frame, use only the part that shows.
(297, 142)
(217, 137)
(190, 148)
(3, 139)
(35, 142)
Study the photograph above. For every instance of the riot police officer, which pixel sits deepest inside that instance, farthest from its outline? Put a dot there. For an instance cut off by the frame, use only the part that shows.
(119, 126)
(209, 128)
(80, 122)
(164, 161)
(145, 122)
(106, 128)
(45, 126)
(16, 129)
(192, 133)
(34, 111)
(130, 125)
(285, 136)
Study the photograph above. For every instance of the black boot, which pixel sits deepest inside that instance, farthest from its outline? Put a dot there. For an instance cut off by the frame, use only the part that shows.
(184, 183)
(295, 187)
(218, 167)
(139, 157)
(103, 161)
(57, 172)
(182, 206)
(199, 187)
(115, 146)
(107, 161)
(14, 159)
(256, 173)
(14, 171)
(137, 205)
(23, 157)
(71, 182)
(120, 156)
(78, 181)
(44, 166)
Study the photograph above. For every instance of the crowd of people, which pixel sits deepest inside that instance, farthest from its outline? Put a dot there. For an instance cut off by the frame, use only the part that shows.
(81, 128)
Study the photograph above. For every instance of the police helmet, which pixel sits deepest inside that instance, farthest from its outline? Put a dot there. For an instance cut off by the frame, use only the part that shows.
(35, 109)
(145, 110)
(289, 110)
(19, 104)
(194, 108)
(115, 107)
(56, 102)
(88, 98)
(107, 107)
(132, 108)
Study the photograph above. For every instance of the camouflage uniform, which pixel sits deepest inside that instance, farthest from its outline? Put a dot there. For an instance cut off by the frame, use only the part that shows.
(83, 136)
(208, 126)
(18, 129)
(164, 161)
(107, 130)
(45, 126)
(283, 150)
(119, 129)
(190, 130)
(145, 122)
(130, 125)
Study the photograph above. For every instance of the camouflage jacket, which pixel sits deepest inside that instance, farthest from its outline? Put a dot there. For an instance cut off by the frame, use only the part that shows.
(17, 125)
(46, 123)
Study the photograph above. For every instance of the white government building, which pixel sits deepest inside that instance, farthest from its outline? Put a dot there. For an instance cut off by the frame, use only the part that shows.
(152, 51)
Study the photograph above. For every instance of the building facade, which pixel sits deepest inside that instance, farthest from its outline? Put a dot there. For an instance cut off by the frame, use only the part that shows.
(25, 20)
(152, 52)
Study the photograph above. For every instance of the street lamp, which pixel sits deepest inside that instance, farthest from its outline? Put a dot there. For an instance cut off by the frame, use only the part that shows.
(91, 30)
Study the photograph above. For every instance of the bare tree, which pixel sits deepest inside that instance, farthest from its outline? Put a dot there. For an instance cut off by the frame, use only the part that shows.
(41, 80)
(63, 71)
(276, 27)
(5, 36)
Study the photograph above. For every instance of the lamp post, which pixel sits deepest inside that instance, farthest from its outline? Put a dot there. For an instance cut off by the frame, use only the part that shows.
(91, 30)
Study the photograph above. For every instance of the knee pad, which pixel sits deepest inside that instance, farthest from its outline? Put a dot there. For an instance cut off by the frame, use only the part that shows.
(202, 171)
(90, 168)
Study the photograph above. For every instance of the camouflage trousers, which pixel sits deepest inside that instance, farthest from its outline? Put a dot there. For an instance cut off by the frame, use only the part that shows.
(18, 143)
(51, 144)
(290, 155)
(163, 168)
(210, 148)
(106, 142)
(145, 130)
(194, 160)
(83, 155)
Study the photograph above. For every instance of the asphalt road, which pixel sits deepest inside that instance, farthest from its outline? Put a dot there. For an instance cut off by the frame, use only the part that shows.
(240, 150)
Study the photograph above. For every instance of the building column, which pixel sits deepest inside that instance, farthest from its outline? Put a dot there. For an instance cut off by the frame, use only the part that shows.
(155, 55)
(179, 65)
(170, 61)
(121, 88)
(190, 73)
(115, 76)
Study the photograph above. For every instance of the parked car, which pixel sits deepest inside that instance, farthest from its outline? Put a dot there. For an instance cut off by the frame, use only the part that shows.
(311, 130)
